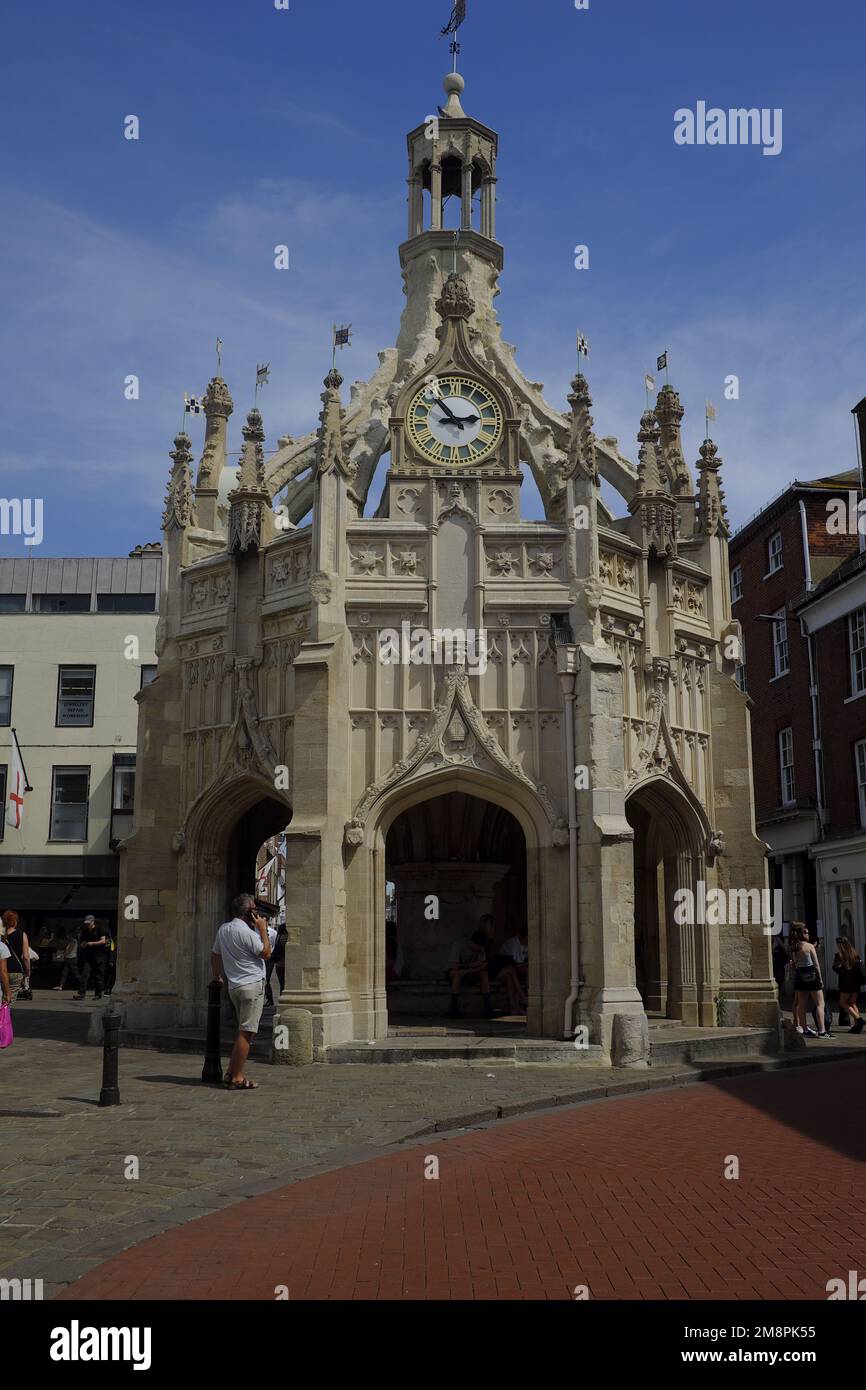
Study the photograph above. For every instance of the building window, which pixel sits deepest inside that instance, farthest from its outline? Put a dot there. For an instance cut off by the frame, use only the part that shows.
(13, 603)
(70, 793)
(122, 797)
(774, 553)
(780, 644)
(860, 761)
(740, 673)
(6, 673)
(736, 583)
(857, 642)
(2, 799)
(786, 766)
(126, 603)
(76, 687)
(61, 603)
(148, 674)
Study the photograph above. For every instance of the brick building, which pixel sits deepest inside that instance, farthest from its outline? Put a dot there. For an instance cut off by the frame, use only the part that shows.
(833, 620)
(782, 557)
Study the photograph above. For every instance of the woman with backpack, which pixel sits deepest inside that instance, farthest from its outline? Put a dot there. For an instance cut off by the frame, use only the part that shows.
(808, 985)
(852, 977)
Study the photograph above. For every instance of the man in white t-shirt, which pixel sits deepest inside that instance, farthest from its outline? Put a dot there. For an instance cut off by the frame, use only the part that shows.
(239, 953)
(5, 987)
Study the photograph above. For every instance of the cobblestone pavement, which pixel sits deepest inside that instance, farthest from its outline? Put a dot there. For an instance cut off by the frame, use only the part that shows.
(629, 1200)
(65, 1202)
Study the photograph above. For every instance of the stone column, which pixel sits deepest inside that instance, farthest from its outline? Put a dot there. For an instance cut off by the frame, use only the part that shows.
(488, 208)
(436, 197)
(466, 207)
(416, 206)
(605, 852)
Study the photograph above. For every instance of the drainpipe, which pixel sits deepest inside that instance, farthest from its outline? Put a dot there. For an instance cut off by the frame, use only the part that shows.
(807, 561)
(568, 665)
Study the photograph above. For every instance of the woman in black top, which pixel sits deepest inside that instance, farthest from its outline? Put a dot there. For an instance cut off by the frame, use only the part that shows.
(852, 977)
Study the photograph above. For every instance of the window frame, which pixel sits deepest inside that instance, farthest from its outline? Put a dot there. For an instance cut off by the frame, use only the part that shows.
(786, 767)
(860, 775)
(80, 769)
(148, 666)
(740, 678)
(57, 722)
(7, 723)
(857, 623)
(736, 583)
(780, 619)
(774, 555)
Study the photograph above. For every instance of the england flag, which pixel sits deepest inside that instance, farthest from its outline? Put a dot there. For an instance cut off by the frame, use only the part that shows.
(17, 787)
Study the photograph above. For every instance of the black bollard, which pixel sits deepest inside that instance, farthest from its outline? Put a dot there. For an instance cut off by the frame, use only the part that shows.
(212, 1070)
(110, 1094)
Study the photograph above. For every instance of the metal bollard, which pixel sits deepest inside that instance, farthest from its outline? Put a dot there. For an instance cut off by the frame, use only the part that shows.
(212, 1070)
(110, 1094)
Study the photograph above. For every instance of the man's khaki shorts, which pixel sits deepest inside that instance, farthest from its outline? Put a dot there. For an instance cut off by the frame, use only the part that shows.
(248, 1001)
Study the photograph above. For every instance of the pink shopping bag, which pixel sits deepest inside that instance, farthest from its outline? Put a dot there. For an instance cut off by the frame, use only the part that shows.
(6, 1034)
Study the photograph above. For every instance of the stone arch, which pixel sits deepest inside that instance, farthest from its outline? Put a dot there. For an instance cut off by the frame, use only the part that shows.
(534, 821)
(673, 961)
(237, 807)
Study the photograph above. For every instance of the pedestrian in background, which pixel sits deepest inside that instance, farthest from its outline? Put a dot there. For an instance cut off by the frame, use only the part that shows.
(19, 948)
(852, 977)
(70, 962)
(91, 958)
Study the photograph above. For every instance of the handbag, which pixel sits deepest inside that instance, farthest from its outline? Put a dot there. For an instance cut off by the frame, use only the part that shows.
(6, 1033)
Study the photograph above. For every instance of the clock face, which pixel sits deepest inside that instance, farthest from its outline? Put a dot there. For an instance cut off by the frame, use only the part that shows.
(454, 420)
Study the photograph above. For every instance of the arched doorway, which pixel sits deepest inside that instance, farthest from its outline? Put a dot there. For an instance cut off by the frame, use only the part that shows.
(672, 959)
(224, 836)
(450, 861)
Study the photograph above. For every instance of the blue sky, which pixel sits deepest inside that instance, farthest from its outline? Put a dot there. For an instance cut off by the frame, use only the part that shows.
(261, 126)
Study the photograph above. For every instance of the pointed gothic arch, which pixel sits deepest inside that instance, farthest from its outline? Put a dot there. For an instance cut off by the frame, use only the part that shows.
(674, 961)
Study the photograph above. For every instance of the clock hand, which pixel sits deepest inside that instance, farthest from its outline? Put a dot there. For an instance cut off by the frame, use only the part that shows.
(449, 413)
(453, 420)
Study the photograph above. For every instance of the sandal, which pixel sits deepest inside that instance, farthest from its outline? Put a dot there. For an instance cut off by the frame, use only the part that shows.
(245, 1085)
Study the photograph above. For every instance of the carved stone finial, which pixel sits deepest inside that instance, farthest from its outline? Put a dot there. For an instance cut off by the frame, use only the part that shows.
(712, 514)
(218, 400)
(329, 445)
(179, 510)
(582, 449)
(248, 500)
(218, 406)
(669, 413)
(455, 301)
(649, 478)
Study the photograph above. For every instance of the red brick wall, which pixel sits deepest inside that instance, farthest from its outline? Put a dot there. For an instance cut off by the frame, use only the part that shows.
(782, 703)
(785, 702)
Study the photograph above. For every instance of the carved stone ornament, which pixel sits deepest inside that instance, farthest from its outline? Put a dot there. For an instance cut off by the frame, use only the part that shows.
(320, 587)
(455, 301)
(715, 845)
(458, 735)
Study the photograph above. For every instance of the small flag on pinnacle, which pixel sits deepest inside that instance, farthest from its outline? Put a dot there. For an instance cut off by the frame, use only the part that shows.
(343, 336)
(193, 405)
(650, 383)
(582, 345)
(458, 14)
(662, 363)
(263, 374)
(711, 411)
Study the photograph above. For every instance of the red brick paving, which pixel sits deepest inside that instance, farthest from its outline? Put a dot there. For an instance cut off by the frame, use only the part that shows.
(627, 1197)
